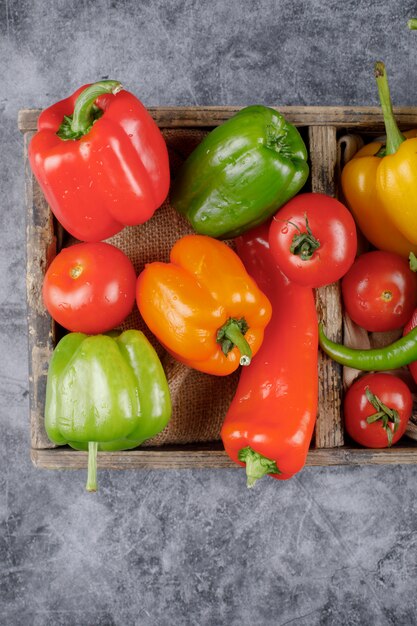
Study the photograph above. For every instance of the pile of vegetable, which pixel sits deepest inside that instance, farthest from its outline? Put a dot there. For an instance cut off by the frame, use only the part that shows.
(217, 305)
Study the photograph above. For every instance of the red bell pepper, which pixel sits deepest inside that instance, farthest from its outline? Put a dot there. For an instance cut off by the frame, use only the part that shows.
(101, 161)
(271, 419)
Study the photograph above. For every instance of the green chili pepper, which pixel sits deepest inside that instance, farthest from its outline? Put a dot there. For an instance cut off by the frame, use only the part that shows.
(105, 393)
(241, 173)
(397, 354)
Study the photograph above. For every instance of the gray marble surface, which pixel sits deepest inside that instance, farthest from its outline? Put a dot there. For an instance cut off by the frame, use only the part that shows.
(332, 546)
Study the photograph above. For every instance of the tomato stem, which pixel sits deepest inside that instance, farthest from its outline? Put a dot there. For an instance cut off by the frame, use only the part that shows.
(76, 271)
(257, 465)
(304, 244)
(386, 295)
(384, 413)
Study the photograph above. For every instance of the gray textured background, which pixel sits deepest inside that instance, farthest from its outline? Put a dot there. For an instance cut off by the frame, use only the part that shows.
(331, 546)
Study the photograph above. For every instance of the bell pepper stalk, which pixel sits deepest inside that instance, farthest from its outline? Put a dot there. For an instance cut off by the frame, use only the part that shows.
(92, 466)
(241, 173)
(100, 160)
(232, 333)
(86, 112)
(394, 136)
(105, 393)
(203, 307)
(256, 465)
(380, 184)
(270, 422)
(397, 354)
(412, 261)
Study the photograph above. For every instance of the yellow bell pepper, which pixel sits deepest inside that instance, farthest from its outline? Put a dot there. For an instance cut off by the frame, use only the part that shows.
(380, 183)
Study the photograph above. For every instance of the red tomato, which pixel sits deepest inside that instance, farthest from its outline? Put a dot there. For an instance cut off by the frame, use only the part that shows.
(90, 287)
(389, 392)
(380, 291)
(313, 239)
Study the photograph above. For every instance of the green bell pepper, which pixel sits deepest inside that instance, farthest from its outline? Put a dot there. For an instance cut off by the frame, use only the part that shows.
(105, 392)
(241, 173)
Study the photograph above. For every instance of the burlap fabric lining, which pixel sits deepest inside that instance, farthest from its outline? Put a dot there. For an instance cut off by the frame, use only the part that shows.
(199, 401)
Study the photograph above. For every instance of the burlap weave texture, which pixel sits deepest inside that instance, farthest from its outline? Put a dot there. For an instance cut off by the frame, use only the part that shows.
(200, 401)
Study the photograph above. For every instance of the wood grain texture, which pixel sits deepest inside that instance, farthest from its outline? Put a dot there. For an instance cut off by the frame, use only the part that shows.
(329, 426)
(195, 458)
(365, 118)
(40, 249)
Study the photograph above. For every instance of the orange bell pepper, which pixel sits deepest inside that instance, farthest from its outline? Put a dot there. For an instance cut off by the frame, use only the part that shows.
(203, 306)
(380, 183)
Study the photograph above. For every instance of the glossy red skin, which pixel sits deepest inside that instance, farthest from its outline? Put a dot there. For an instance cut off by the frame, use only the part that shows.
(116, 175)
(393, 392)
(372, 274)
(412, 322)
(331, 224)
(100, 298)
(275, 406)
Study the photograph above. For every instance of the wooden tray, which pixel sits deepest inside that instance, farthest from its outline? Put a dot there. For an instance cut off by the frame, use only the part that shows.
(321, 127)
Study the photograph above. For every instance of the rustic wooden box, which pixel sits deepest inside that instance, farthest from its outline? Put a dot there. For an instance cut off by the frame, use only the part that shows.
(321, 127)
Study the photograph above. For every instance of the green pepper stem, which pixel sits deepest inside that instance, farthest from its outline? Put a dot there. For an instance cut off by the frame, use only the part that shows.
(412, 261)
(257, 465)
(232, 334)
(85, 113)
(92, 466)
(412, 23)
(82, 118)
(394, 136)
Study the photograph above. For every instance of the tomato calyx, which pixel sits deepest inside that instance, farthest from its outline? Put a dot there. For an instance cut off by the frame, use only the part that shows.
(304, 243)
(384, 413)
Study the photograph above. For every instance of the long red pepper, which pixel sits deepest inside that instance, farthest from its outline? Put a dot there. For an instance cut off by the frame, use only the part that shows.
(271, 419)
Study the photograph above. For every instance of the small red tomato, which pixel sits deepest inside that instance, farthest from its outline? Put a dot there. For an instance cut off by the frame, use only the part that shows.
(377, 408)
(313, 239)
(90, 287)
(380, 291)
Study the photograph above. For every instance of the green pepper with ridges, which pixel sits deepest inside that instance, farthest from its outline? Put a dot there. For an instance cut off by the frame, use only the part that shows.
(105, 392)
(241, 173)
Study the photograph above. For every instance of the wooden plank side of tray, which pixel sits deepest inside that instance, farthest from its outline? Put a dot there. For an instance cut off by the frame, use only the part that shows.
(40, 248)
(203, 458)
(363, 118)
(329, 426)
